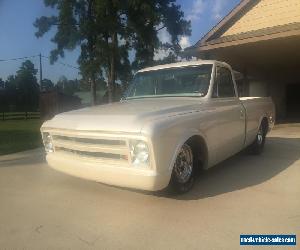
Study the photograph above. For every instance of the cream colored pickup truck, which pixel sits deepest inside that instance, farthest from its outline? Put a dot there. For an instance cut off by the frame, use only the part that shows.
(174, 120)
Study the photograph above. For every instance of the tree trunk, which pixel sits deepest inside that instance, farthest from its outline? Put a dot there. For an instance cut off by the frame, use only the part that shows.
(93, 91)
(112, 69)
(109, 88)
(91, 48)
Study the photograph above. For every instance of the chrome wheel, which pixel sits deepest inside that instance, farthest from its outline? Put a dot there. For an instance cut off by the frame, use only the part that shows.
(258, 145)
(260, 136)
(183, 167)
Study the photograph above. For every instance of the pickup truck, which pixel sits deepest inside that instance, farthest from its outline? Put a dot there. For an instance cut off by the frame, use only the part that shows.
(174, 120)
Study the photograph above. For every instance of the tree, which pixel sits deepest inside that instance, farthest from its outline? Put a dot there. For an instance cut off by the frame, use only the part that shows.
(47, 84)
(2, 84)
(10, 92)
(21, 91)
(68, 87)
(27, 86)
(2, 96)
(10, 82)
(106, 30)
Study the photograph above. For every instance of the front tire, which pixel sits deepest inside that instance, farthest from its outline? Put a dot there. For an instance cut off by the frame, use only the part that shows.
(258, 145)
(183, 174)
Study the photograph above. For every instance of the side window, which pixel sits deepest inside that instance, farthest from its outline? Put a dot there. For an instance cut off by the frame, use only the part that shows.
(223, 86)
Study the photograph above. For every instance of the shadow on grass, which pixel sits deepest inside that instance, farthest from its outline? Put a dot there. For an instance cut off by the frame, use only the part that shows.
(14, 141)
(16, 136)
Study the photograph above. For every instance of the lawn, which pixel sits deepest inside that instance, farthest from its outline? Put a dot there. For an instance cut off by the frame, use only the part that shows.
(19, 135)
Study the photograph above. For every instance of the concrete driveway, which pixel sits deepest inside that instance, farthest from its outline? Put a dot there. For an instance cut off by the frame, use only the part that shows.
(44, 209)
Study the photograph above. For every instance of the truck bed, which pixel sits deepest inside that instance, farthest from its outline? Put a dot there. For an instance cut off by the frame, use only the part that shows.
(257, 107)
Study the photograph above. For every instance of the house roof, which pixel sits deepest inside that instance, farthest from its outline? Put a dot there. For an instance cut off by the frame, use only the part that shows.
(215, 38)
(228, 20)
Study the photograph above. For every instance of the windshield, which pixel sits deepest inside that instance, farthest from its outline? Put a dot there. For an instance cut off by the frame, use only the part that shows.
(185, 81)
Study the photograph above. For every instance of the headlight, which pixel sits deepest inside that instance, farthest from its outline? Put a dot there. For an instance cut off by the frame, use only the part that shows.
(47, 140)
(139, 152)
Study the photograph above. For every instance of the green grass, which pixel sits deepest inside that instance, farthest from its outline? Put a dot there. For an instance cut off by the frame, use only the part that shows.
(19, 135)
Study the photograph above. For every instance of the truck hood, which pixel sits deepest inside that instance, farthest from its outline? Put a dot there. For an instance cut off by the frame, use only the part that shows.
(125, 116)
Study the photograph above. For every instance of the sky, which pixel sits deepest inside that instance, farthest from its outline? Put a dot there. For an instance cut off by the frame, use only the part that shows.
(17, 37)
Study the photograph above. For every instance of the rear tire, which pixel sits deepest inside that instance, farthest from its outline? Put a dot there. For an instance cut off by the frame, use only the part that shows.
(183, 174)
(258, 145)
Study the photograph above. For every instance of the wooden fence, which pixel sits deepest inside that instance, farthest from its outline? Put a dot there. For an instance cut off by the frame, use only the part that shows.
(19, 115)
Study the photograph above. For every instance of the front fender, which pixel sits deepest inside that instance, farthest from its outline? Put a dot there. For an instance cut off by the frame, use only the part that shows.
(167, 144)
(181, 140)
(169, 134)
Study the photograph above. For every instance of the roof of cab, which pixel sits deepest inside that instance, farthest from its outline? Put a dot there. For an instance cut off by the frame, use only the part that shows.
(181, 64)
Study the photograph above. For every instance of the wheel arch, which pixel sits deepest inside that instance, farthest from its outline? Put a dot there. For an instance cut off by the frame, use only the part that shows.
(199, 146)
(265, 123)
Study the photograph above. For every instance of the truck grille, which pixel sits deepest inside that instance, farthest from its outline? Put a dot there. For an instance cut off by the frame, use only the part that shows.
(94, 148)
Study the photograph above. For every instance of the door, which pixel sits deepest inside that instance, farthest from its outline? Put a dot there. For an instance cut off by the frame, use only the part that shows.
(230, 115)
